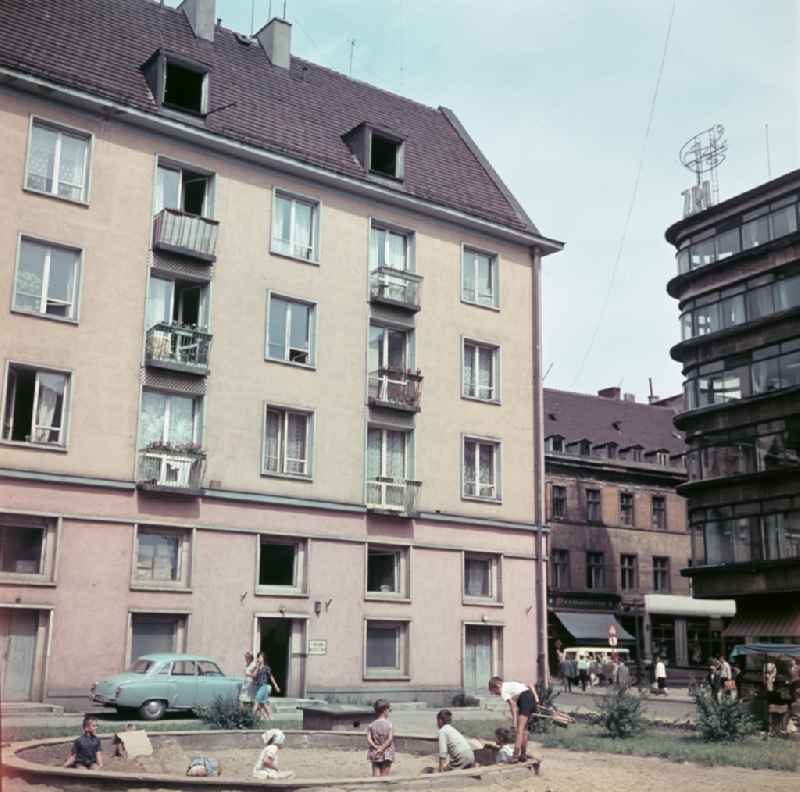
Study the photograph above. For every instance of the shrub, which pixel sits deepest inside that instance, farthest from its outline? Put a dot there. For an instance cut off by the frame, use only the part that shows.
(227, 714)
(465, 700)
(723, 718)
(547, 697)
(621, 712)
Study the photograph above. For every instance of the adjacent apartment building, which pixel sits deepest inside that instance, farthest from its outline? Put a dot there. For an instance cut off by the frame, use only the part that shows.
(270, 367)
(618, 530)
(738, 287)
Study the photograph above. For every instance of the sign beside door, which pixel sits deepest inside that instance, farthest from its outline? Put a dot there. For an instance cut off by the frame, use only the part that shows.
(318, 647)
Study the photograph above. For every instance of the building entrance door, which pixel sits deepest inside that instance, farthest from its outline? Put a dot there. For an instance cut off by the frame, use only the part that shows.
(282, 640)
(478, 665)
(18, 629)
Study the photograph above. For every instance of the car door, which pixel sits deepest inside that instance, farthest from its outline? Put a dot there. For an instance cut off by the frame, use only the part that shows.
(184, 679)
(211, 682)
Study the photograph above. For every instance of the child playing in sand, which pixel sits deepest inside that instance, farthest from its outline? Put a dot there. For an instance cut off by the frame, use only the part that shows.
(267, 764)
(454, 750)
(87, 751)
(505, 746)
(522, 703)
(380, 737)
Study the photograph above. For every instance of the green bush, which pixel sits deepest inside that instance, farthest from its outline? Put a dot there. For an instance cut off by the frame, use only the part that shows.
(621, 712)
(723, 719)
(547, 697)
(465, 700)
(227, 714)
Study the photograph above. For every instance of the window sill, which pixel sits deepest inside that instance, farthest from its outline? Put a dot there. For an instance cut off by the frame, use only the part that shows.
(291, 364)
(176, 589)
(495, 402)
(20, 579)
(374, 596)
(476, 499)
(314, 262)
(287, 476)
(495, 308)
(279, 591)
(397, 676)
(49, 317)
(35, 446)
(63, 199)
(483, 602)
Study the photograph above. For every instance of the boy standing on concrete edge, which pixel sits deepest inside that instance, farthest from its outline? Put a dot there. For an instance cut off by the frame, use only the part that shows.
(522, 702)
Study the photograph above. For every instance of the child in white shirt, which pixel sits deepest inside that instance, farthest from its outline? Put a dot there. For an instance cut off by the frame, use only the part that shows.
(267, 764)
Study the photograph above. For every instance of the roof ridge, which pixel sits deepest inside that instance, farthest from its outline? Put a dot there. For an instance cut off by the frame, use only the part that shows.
(610, 401)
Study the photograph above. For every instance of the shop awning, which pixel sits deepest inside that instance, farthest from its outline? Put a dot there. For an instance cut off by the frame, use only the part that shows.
(772, 649)
(784, 624)
(592, 626)
(675, 605)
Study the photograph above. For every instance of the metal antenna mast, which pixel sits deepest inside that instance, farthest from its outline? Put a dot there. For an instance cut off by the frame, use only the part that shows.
(352, 48)
(769, 163)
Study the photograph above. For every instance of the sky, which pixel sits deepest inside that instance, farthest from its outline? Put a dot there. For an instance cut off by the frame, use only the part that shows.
(558, 97)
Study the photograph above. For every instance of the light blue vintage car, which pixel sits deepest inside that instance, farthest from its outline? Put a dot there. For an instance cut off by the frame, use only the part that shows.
(156, 683)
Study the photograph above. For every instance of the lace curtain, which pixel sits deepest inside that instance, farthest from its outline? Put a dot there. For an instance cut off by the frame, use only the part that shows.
(41, 159)
(71, 167)
(49, 408)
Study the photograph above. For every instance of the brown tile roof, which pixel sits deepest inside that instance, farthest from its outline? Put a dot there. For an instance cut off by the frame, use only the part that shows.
(578, 416)
(99, 46)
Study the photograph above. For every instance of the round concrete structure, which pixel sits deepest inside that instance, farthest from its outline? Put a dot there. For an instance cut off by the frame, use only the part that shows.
(29, 761)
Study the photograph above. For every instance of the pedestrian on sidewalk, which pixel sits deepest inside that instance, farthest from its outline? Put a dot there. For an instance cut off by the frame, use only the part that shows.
(661, 677)
(583, 671)
(264, 689)
(248, 692)
(570, 673)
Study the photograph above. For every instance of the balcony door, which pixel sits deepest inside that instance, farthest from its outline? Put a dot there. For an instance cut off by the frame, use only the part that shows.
(387, 466)
(387, 361)
(184, 190)
(168, 418)
(174, 301)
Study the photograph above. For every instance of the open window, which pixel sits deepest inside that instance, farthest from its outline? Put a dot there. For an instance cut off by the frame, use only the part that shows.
(47, 279)
(27, 548)
(184, 189)
(385, 155)
(387, 572)
(291, 330)
(36, 405)
(177, 83)
(281, 565)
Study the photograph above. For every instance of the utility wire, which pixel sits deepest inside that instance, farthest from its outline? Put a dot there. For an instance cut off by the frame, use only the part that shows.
(634, 195)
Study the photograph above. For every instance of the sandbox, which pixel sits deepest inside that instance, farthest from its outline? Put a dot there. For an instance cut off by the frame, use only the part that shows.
(319, 760)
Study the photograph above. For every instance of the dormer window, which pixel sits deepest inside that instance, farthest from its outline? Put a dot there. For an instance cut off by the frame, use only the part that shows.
(177, 84)
(379, 152)
(555, 444)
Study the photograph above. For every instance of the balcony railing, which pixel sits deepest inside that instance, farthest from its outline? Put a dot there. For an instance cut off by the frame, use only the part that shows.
(400, 389)
(396, 287)
(186, 234)
(178, 347)
(392, 496)
(178, 469)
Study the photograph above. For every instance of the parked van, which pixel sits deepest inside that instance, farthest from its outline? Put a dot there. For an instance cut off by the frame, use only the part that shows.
(599, 658)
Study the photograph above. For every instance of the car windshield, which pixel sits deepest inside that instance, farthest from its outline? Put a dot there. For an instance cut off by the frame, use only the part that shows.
(140, 666)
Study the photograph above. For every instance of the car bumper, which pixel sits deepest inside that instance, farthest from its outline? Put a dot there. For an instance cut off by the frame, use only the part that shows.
(105, 701)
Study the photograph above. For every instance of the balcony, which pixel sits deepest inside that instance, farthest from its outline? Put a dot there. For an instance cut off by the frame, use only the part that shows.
(393, 496)
(176, 469)
(185, 234)
(177, 347)
(397, 288)
(397, 389)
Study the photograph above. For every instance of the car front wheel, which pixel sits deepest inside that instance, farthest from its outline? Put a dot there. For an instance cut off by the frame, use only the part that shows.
(152, 710)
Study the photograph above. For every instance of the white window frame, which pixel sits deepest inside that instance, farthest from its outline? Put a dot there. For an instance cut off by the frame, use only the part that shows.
(477, 346)
(186, 545)
(402, 572)
(391, 228)
(494, 261)
(495, 596)
(198, 405)
(63, 442)
(316, 213)
(51, 541)
(408, 459)
(402, 652)
(166, 60)
(310, 417)
(61, 130)
(400, 155)
(43, 299)
(497, 447)
(312, 331)
(168, 163)
(299, 588)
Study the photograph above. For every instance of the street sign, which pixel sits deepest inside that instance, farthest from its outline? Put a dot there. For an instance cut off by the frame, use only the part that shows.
(318, 647)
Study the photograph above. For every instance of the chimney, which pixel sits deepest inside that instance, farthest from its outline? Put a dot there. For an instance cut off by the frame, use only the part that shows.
(202, 16)
(276, 39)
(630, 397)
(610, 393)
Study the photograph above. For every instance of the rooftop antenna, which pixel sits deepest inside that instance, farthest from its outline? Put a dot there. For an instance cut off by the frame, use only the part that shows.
(769, 164)
(703, 154)
(352, 49)
(544, 376)
(252, 17)
(284, 10)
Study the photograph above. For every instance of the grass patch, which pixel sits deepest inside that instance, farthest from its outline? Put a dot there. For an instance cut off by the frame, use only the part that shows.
(757, 753)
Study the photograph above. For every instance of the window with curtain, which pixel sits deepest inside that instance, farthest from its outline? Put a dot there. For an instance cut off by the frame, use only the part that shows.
(479, 278)
(286, 446)
(290, 331)
(480, 371)
(480, 576)
(160, 557)
(387, 467)
(294, 227)
(481, 467)
(57, 161)
(389, 248)
(36, 405)
(385, 650)
(168, 418)
(46, 280)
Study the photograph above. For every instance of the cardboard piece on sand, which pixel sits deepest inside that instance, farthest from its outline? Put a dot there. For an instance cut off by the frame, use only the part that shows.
(136, 743)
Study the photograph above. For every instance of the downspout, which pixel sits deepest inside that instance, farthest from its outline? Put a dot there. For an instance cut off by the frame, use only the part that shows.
(540, 576)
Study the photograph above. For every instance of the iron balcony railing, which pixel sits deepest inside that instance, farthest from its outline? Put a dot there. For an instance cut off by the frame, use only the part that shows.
(179, 232)
(173, 469)
(396, 287)
(393, 495)
(397, 388)
(178, 346)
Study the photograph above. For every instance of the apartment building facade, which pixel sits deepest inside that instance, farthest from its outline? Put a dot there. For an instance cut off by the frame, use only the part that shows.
(738, 289)
(618, 530)
(269, 367)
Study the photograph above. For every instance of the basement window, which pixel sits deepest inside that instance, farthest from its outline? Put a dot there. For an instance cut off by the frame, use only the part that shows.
(385, 156)
(184, 88)
(281, 566)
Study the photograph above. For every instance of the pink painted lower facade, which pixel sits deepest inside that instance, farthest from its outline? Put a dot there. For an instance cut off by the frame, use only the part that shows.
(347, 604)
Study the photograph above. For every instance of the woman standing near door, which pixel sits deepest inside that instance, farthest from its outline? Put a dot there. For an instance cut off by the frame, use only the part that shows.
(263, 679)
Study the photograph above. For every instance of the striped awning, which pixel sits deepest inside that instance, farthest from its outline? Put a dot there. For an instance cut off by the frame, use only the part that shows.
(778, 624)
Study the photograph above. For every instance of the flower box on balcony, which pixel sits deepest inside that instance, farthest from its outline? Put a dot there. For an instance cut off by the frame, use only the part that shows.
(178, 347)
(186, 234)
(171, 467)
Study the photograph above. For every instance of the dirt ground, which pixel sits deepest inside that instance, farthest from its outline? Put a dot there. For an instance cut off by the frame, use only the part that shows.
(562, 771)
